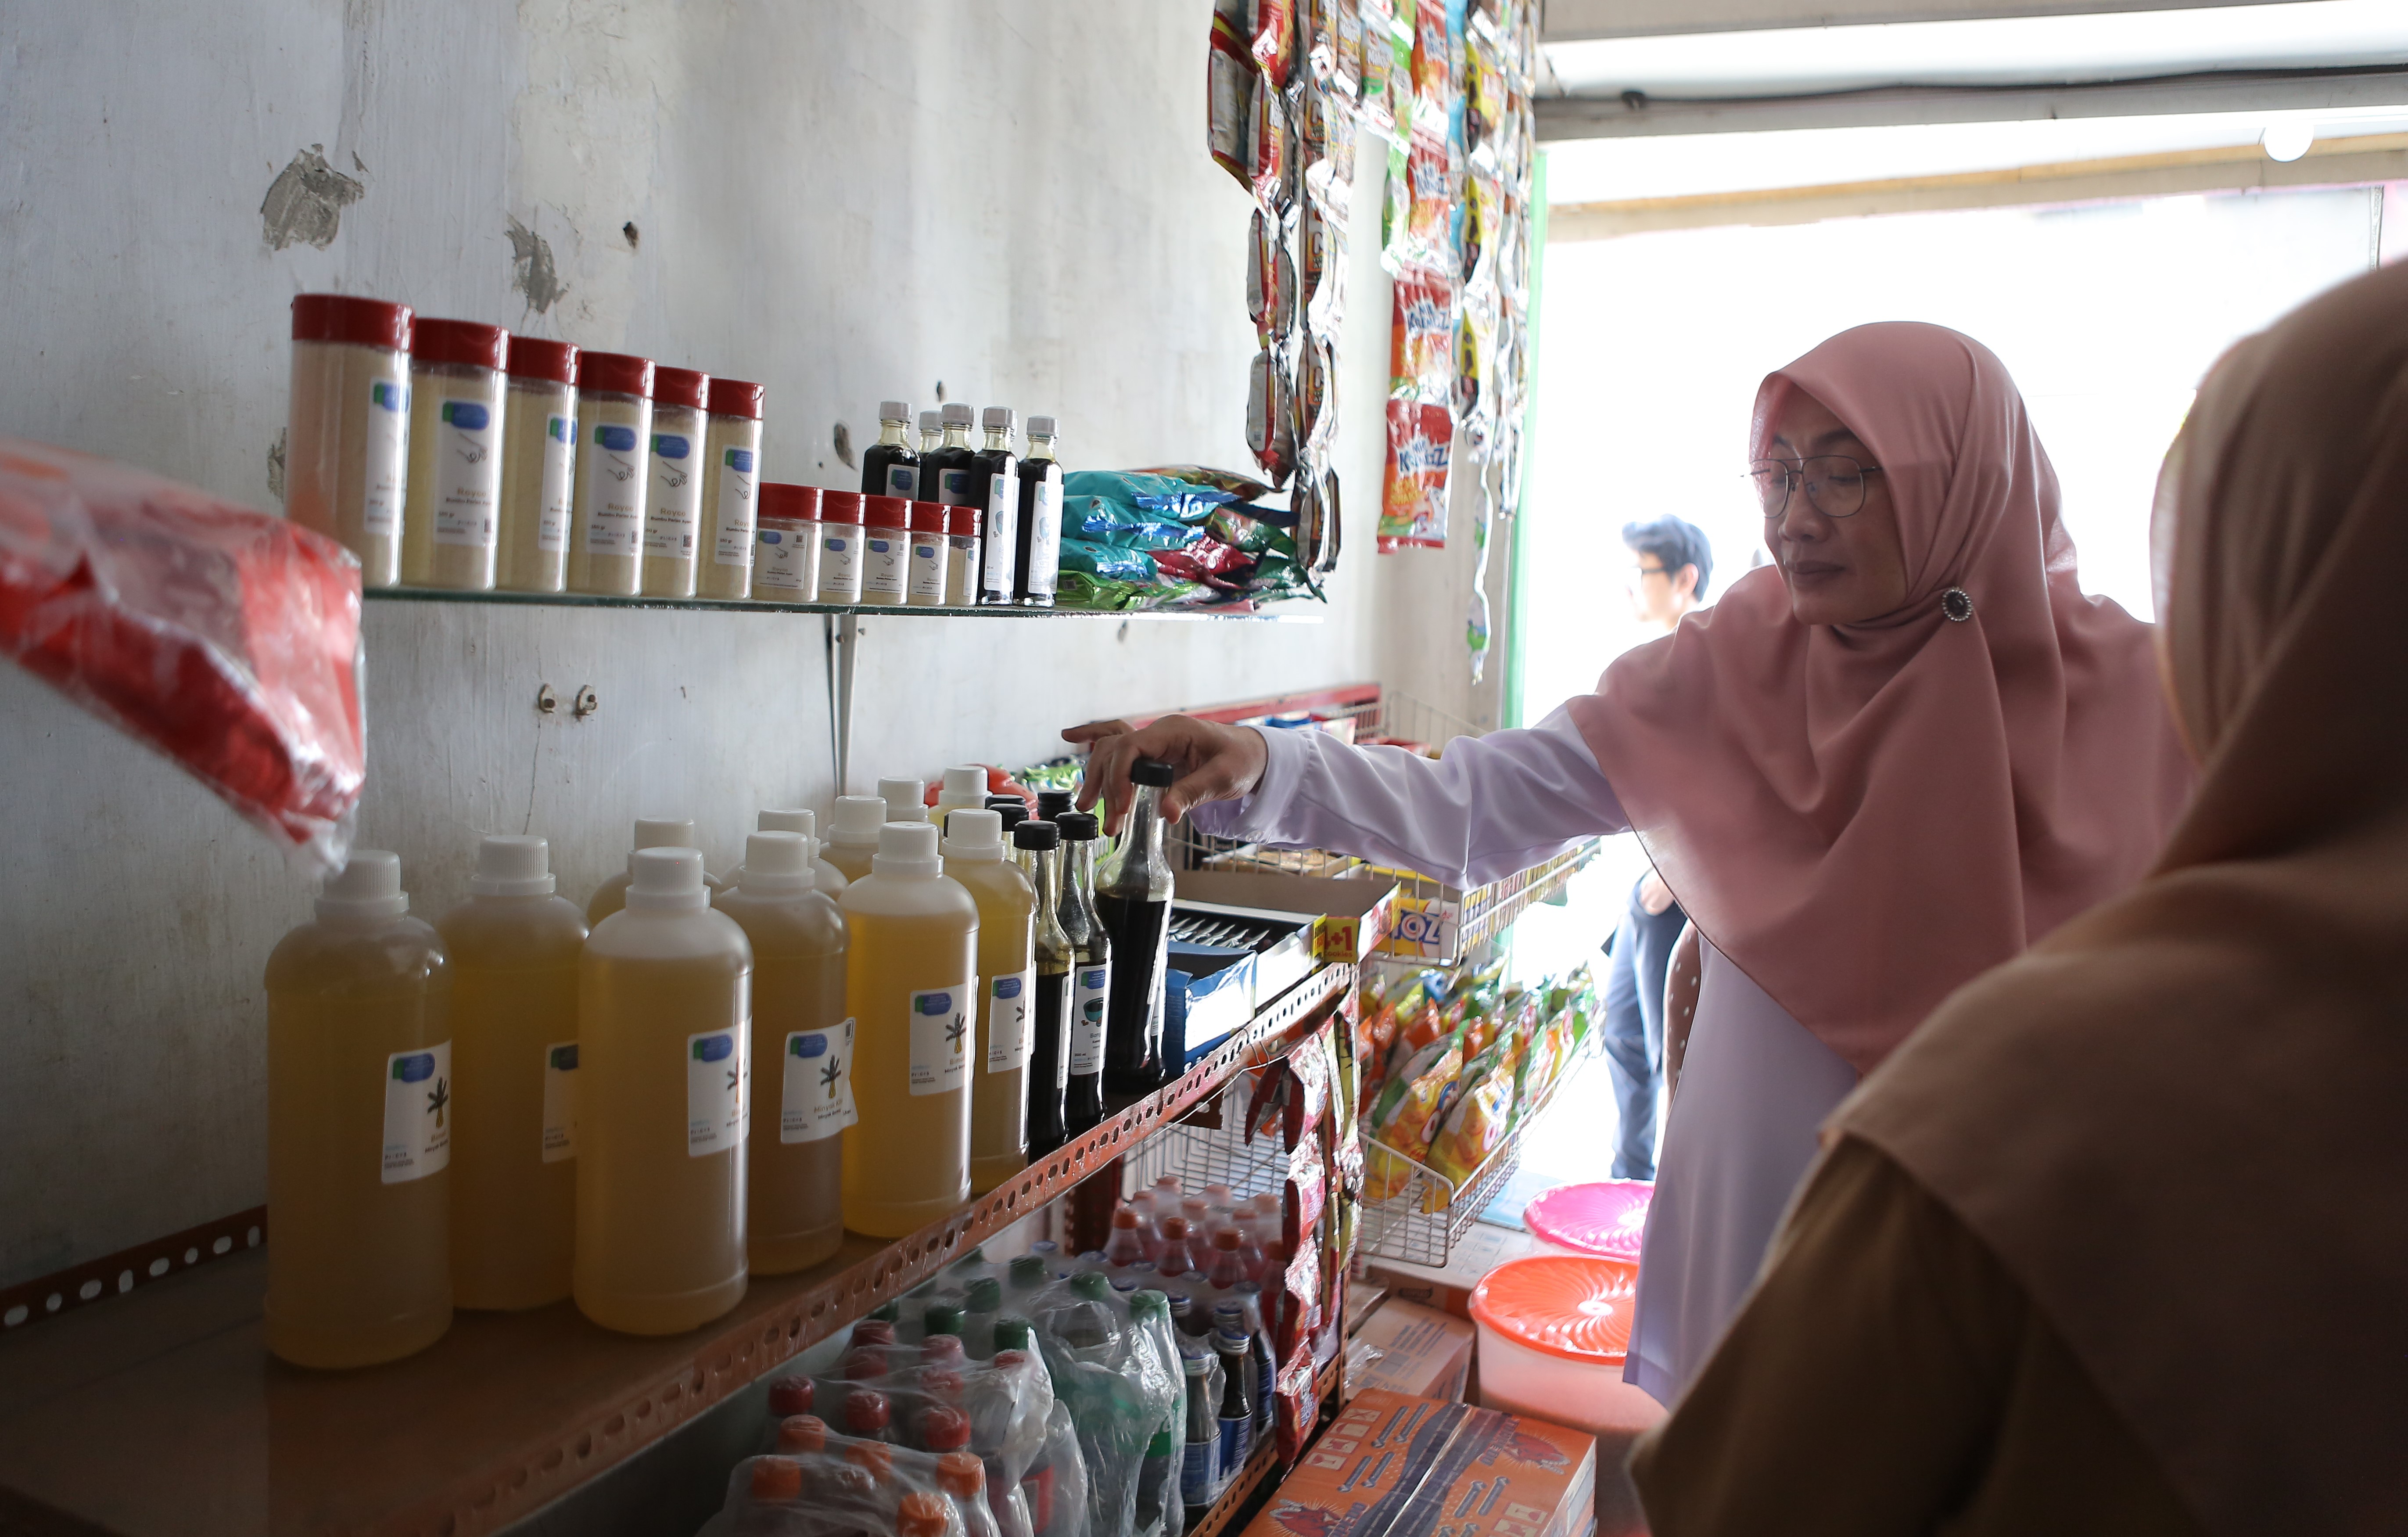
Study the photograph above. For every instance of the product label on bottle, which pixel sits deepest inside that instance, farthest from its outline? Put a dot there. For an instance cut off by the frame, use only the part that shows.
(734, 511)
(1007, 1021)
(903, 480)
(388, 446)
(841, 559)
(818, 1099)
(614, 519)
(559, 1101)
(1002, 530)
(467, 475)
(1091, 988)
(953, 487)
(1044, 537)
(940, 1039)
(1199, 1470)
(676, 497)
(928, 568)
(559, 482)
(782, 561)
(717, 1084)
(882, 564)
(1237, 1441)
(417, 1114)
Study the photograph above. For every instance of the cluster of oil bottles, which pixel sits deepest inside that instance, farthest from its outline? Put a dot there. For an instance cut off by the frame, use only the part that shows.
(523, 1101)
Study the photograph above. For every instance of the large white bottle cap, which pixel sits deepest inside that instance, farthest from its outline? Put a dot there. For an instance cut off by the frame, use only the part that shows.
(972, 835)
(907, 799)
(777, 864)
(857, 820)
(669, 877)
(968, 780)
(368, 888)
(906, 849)
(893, 410)
(958, 415)
(513, 867)
(664, 832)
(792, 821)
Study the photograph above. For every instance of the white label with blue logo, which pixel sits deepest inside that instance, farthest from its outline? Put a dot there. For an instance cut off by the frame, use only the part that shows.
(882, 560)
(559, 461)
(734, 510)
(1002, 530)
(614, 523)
(1007, 1021)
(676, 498)
(903, 480)
(818, 1099)
(1091, 989)
(928, 553)
(559, 1101)
(388, 446)
(717, 1082)
(784, 561)
(840, 557)
(940, 1039)
(467, 475)
(417, 1114)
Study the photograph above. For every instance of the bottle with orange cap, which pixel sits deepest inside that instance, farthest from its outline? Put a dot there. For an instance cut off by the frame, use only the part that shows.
(963, 1478)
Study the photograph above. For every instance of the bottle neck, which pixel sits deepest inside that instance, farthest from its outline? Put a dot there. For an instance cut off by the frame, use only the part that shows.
(957, 436)
(931, 440)
(1141, 842)
(1041, 448)
(1044, 870)
(892, 433)
(998, 438)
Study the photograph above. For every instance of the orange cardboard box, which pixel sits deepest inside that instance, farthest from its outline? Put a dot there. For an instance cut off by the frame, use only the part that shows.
(1392, 1466)
(1418, 1351)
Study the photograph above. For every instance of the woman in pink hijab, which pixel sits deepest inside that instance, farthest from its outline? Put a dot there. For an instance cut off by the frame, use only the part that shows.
(1888, 762)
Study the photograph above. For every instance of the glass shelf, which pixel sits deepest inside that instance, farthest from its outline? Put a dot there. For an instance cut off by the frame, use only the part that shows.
(1299, 612)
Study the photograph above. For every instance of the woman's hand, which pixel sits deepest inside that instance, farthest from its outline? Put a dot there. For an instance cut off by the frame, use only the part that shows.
(1211, 762)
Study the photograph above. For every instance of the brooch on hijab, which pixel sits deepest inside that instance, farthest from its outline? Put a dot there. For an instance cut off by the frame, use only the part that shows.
(1957, 604)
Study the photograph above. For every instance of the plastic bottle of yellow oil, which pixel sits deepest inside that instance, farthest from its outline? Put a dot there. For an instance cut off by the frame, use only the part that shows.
(803, 1042)
(1006, 991)
(853, 834)
(359, 1126)
(964, 789)
(514, 946)
(911, 974)
(828, 879)
(663, 1044)
(651, 832)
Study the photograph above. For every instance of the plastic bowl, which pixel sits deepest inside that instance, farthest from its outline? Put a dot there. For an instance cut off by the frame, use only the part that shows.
(1604, 1219)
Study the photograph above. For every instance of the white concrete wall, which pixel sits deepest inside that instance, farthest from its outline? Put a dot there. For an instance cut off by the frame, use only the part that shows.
(843, 200)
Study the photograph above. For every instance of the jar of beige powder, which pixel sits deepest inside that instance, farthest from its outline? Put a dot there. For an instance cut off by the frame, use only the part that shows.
(347, 434)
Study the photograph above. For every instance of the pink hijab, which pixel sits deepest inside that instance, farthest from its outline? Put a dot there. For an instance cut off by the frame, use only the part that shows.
(1863, 817)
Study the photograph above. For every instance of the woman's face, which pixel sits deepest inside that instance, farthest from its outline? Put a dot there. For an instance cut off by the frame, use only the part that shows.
(1839, 570)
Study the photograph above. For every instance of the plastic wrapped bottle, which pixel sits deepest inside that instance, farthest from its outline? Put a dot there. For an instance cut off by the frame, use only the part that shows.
(514, 946)
(1238, 1370)
(347, 437)
(853, 834)
(981, 1305)
(1199, 1468)
(614, 423)
(1228, 1265)
(1124, 1247)
(1259, 1337)
(1156, 1479)
(1176, 1259)
(539, 466)
(963, 1478)
(673, 501)
(451, 513)
(731, 477)
(651, 832)
(359, 1126)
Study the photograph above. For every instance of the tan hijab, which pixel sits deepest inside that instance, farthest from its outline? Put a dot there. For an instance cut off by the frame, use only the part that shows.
(2182, 1120)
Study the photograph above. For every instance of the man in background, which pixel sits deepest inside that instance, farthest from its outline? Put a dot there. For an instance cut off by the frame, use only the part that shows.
(1670, 564)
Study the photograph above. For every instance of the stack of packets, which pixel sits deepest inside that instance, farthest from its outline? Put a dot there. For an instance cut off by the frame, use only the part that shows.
(1177, 537)
(1453, 1063)
(1391, 1466)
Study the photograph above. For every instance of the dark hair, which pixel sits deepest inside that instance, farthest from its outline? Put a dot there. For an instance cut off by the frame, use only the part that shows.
(1675, 543)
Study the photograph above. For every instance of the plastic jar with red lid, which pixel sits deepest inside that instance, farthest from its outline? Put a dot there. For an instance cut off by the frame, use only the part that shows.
(885, 549)
(347, 431)
(673, 502)
(840, 527)
(928, 555)
(614, 429)
(451, 514)
(539, 466)
(787, 544)
(731, 479)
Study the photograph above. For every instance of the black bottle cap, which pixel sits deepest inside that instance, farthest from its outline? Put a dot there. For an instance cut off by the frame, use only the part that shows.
(1013, 812)
(1051, 804)
(1035, 835)
(1149, 771)
(1078, 826)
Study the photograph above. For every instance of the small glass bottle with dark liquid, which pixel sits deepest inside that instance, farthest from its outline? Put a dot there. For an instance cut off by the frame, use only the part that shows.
(994, 484)
(1091, 977)
(890, 468)
(1036, 847)
(1133, 899)
(1040, 519)
(945, 470)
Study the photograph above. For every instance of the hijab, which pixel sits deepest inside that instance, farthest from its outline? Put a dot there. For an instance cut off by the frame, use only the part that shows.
(2182, 1122)
(1864, 817)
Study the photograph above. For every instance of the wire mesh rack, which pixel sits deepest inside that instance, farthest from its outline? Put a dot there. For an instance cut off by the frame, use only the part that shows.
(1209, 1148)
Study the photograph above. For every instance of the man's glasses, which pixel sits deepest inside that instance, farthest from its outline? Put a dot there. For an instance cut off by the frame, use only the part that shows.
(1835, 483)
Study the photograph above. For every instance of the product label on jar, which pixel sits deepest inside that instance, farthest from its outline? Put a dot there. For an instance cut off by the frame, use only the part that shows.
(676, 497)
(467, 475)
(818, 1099)
(417, 1114)
(903, 480)
(940, 1039)
(388, 453)
(961, 570)
(1091, 986)
(1007, 1021)
(559, 1101)
(841, 559)
(882, 563)
(614, 520)
(1044, 538)
(734, 511)
(929, 553)
(783, 561)
(717, 1086)
(953, 487)
(559, 466)
(1002, 529)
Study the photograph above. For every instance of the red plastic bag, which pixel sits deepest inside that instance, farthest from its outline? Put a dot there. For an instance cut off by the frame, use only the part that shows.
(226, 639)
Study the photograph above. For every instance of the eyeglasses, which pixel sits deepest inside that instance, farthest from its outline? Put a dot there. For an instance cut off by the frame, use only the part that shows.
(1638, 575)
(1835, 483)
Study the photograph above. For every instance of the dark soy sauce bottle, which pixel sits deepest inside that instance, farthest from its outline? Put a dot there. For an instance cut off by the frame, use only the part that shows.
(945, 471)
(890, 468)
(1091, 976)
(1133, 899)
(994, 484)
(1037, 849)
(1040, 519)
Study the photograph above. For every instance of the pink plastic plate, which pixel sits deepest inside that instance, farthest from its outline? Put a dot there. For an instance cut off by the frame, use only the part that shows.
(1604, 1218)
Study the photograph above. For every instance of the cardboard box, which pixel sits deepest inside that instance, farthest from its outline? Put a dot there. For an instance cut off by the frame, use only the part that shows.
(1418, 1351)
(1392, 1466)
(1351, 916)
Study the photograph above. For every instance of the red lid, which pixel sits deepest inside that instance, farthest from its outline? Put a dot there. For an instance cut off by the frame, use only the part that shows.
(790, 1396)
(679, 387)
(472, 342)
(842, 505)
(866, 1412)
(339, 317)
(617, 372)
(928, 518)
(1567, 1306)
(944, 1429)
(1606, 1218)
(875, 1458)
(886, 512)
(864, 1363)
(802, 1434)
(874, 1332)
(963, 522)
(961, 1474)
(781, 501)
(920, 1514)
(734, 397)
(942, 1349)
(531, 357)
(1006, 1359)
(776, 1478)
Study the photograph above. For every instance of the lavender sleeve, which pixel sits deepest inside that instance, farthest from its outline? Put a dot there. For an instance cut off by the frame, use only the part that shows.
(1493, 805)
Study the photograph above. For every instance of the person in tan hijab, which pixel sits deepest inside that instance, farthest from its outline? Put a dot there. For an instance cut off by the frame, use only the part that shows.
(2117, 1241)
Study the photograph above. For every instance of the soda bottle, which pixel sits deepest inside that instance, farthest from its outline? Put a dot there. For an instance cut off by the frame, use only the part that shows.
(1199, 1468)
(1176, 1259)
(1124, 1247)
(1228, 1266)
(1238, 1371)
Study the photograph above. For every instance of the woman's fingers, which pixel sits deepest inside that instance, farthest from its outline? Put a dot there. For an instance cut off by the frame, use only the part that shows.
(1210, 762)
